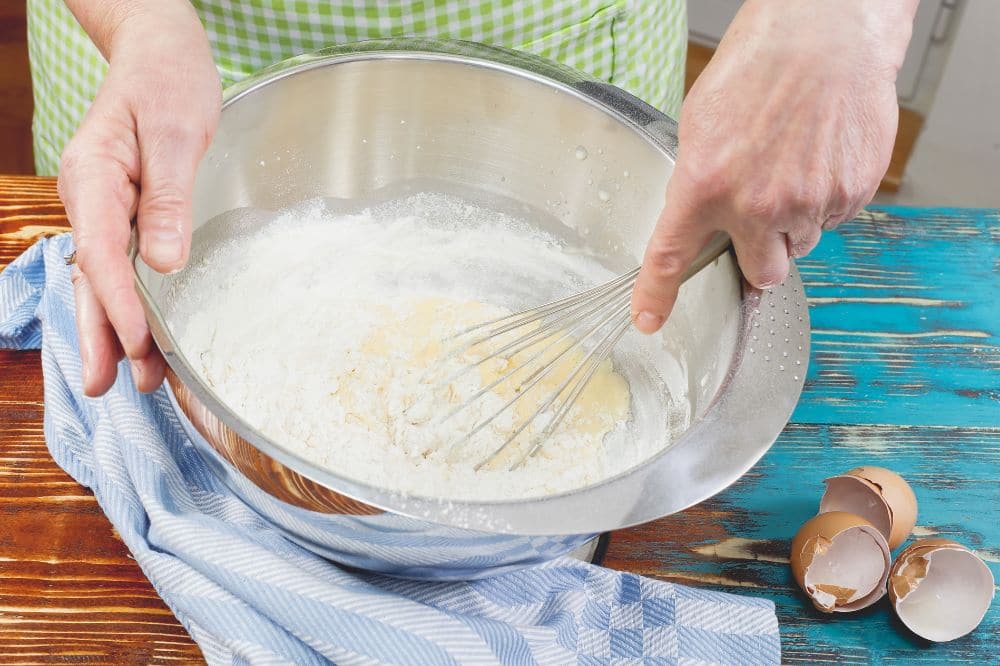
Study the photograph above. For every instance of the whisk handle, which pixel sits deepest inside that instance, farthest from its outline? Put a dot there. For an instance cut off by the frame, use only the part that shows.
(715, 248)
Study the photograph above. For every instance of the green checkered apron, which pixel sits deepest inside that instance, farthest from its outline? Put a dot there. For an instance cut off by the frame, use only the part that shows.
(638, 45)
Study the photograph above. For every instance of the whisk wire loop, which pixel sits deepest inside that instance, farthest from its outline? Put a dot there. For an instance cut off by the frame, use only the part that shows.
(533, 314)
(542, 331)
(564, 409)
(590, 323)
(542, 371)
(593, 358)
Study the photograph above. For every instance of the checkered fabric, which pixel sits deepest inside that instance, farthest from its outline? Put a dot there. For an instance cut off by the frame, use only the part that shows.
(248, 595)
(638, 45)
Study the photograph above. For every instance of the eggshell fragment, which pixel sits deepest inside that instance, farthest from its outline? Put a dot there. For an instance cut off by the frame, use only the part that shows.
(878, 495)
(841, 561)
(940, 589)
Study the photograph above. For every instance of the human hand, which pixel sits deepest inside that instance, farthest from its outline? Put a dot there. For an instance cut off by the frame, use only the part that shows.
(135, 155)
(787, 132)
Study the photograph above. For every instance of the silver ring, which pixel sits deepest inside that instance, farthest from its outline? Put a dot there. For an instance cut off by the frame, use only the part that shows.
(70, 258)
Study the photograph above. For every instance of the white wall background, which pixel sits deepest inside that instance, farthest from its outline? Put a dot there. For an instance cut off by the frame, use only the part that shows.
(956, 161)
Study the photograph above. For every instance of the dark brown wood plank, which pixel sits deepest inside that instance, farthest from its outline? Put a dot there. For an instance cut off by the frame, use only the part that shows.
(16, 102)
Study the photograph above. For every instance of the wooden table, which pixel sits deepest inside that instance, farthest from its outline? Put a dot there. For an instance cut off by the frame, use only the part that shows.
(905, 373)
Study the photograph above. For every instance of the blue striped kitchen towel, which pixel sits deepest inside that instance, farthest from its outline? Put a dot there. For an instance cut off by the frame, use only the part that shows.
(248, 595)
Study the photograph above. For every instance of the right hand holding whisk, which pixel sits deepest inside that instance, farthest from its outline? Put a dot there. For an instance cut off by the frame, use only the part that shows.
(774, 160)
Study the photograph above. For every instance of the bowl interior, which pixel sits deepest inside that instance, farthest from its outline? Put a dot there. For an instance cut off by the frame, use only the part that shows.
(366, 128)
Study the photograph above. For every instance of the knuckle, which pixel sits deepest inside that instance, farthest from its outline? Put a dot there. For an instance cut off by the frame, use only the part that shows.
(86, 263)
(762, 264)
(802, 245)
(849, 194)
(780, 206)
(177, 132)
(94, 252)
(854, 188)
(83, 151)
(767, 274)
(162, 205)
(77, 277)
(119, 295)
(86, 256)
(861, 195)
(121, 148)
(64, 190)
(69, 166)
(664, 263)
(804, 198)
(168, 134)
(708, 183)
(97, 167)
(758, 201)
(121, 188)
(70, 159)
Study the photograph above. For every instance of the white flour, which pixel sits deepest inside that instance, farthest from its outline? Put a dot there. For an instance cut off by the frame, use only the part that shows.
(319, 329)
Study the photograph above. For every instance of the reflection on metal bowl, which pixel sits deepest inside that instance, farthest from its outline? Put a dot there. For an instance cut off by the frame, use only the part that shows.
(354, 120)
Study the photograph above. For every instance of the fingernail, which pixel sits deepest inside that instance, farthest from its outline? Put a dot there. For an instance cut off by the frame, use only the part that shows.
(135, 367)
(163, 248)
(647, 322)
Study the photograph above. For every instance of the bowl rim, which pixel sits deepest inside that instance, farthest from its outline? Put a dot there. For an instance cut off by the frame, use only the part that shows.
(635, 496)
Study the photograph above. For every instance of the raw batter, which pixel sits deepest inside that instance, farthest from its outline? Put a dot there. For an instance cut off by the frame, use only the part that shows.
(326, 332)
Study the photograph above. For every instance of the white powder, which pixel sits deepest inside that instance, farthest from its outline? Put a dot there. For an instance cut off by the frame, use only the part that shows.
(325, 332)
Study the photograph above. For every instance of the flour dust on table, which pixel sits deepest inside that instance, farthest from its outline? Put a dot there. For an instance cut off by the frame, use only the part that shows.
(327, 330)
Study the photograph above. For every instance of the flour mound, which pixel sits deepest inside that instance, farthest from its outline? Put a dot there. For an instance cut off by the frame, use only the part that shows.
(326, 332)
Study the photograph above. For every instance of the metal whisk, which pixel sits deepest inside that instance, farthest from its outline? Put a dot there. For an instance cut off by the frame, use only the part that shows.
(590, 322)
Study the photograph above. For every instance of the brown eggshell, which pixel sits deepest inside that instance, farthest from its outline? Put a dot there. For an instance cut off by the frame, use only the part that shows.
(861, 554)
(940, 589)
(876, 494)
(901, 585)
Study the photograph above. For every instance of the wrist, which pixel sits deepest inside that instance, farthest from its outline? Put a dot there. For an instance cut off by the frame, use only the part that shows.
(165, 27)
(892, 22)
(115, 23)
(876, 30)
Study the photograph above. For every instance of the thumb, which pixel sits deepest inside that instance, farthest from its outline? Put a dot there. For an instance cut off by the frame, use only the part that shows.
(677, 239)
(763, 258)
(169, 159)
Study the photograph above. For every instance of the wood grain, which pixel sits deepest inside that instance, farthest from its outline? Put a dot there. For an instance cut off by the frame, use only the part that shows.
(16, 104)
(29, 209)
(906, 353)
(907, 132)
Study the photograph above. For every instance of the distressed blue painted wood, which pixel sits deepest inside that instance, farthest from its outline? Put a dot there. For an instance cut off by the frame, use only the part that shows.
(904, 373)
(906, 323)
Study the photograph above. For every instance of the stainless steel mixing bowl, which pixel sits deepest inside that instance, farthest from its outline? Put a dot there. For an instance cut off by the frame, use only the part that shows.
(350, 121)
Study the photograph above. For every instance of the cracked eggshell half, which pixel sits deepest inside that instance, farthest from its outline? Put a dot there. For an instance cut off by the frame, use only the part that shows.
(878, 495)
(940, 589)
(841, 561)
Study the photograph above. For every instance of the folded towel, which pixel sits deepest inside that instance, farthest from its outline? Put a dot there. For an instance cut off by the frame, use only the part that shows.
(248, 595)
